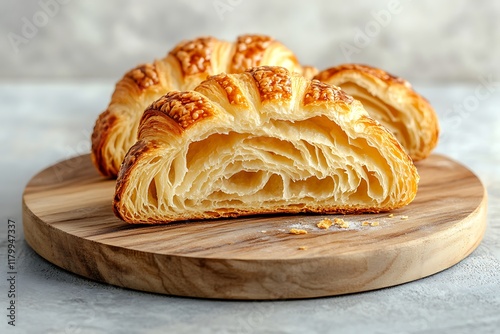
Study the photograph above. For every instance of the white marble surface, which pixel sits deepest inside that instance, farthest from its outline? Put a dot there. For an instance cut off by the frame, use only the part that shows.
(41, 124)
(429, 40)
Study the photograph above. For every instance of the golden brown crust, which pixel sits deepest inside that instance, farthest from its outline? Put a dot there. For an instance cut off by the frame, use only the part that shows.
(194, 56)
(319, 92)
(104, 123)
(189, 63)
(144, 76)
(233, 92)
(249, 51)
(272, 82)
(184, 108)
(376, 72)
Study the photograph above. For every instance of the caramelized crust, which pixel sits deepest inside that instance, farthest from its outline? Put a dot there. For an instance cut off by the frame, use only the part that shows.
(233, 92)
(102, 127)
(144, 76)
(376, 72)
(185, 108)
(272, 82)
(318, 92)
(249, 52)
(194, 56)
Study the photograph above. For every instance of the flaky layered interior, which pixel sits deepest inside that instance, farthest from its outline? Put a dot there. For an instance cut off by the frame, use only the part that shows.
(391, 101)
(397, 122)
(282, 157)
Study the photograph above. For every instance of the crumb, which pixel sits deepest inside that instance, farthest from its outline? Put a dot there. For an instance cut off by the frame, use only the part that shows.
(341, 223)
(302, 248)
(404, 217)
(391, 215)
(367, 223)
(263, 231)
(297, 231)
(324, 223)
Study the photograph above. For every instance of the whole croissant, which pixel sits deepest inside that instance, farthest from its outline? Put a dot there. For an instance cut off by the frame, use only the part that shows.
(263, 141)
(188, 64)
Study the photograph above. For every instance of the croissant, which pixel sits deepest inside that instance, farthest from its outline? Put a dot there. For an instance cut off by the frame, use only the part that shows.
(260, 142)
(187, 65)
(391, 101)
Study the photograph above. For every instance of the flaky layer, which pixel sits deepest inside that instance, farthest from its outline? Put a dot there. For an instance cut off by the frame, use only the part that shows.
(188, 64)
(264, 141)
(392, 102)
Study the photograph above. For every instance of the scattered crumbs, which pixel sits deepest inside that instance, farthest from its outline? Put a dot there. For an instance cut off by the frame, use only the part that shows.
(391, 215)
(324, 223)
(365, 223)
(404, 217)
(297, 231)
(374, 224)
(341, 223)
(263, 231)
(303, 248)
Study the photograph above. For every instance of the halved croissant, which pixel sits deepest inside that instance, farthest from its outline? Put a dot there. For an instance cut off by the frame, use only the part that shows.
(392, 102)
(188, 64)
(264, 141)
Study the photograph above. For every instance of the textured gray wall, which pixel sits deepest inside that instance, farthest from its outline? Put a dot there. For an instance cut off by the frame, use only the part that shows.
(419, 40)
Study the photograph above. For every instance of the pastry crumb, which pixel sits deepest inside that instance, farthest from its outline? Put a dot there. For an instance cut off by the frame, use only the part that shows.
(297, 231)
(365, 223)
(263, 231)
(404, 217)
(391, 215)
(302, 248)
(374, 224)
(341, 223)
(324, 223)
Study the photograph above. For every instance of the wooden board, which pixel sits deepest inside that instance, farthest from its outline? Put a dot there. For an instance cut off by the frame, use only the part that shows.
(68, 220)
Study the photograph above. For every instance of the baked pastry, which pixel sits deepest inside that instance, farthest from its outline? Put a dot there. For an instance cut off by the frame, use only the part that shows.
(391, 101)
(188, 64)
(263, 141)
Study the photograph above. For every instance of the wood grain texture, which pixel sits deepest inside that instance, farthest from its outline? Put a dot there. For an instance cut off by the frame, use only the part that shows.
(68, 220)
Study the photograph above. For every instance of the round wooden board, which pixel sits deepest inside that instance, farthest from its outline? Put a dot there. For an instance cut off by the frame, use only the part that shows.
(68, 220)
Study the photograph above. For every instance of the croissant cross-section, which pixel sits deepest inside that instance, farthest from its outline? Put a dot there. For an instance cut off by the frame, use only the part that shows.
(392, 101)
(183, 68)
(260, 142)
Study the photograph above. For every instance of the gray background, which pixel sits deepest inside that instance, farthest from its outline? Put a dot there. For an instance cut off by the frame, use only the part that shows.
(428, 41)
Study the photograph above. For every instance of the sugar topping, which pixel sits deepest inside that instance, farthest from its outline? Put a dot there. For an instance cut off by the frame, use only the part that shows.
(274, 83)
(249, 51)
(321, 92)
(144, 75)
(194, 56)
(184, 107)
